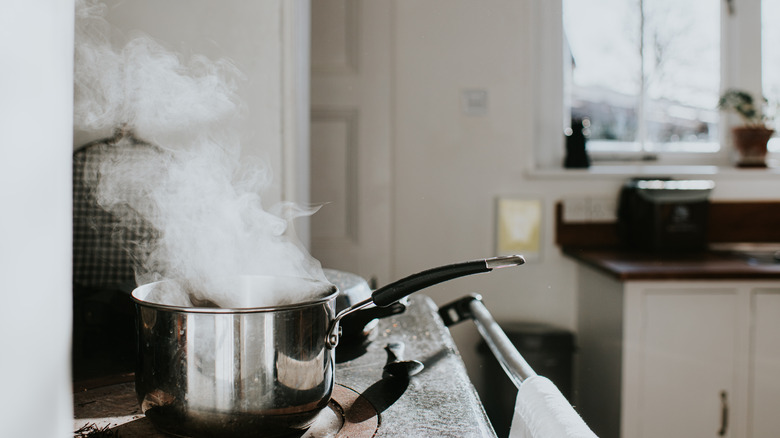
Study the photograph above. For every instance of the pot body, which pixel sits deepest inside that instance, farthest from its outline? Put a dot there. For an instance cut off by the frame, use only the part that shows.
(205, 372)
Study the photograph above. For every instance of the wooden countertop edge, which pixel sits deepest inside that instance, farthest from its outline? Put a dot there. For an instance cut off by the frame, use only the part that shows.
(625, 265)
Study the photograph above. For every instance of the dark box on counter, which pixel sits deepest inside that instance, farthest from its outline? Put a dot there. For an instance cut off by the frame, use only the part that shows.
(664, 215)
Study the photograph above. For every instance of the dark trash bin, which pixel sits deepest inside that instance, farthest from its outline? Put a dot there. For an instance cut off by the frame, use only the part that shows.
(547, 349)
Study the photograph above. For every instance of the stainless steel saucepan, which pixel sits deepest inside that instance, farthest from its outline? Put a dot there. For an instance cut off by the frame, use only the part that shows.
(259, 371)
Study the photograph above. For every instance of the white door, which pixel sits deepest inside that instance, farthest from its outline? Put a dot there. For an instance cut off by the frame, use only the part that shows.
(688, 362)
(351, 96)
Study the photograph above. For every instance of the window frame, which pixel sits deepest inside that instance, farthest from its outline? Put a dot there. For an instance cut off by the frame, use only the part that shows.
(740, 46)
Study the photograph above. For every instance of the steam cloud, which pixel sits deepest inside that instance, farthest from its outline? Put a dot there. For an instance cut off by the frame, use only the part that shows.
(140, 83)
(190, 183)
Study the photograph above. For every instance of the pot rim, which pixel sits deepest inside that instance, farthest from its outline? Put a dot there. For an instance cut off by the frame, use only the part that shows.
(329, 294)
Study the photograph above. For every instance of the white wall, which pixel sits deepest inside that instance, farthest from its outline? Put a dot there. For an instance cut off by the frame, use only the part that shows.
(36, 107)
(450, 167)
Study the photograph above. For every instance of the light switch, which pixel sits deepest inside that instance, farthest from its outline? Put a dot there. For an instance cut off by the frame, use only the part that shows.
(475, 101)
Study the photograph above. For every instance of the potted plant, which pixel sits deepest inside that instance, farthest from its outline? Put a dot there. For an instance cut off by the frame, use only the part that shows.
(750, 139)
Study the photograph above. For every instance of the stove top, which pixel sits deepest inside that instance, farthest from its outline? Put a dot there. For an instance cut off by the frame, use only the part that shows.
(438, 401)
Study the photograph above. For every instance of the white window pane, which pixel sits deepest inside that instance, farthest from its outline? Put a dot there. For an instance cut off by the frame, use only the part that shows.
(664, 100)
(682, 63)
(770, 35)
(603, 37)
(682, 45)
(770, 48)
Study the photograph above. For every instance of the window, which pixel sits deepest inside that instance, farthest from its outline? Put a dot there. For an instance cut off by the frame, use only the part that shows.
(647, 74)
(770, 56)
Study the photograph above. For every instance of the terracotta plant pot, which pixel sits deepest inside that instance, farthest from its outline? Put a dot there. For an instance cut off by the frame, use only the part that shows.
(751, 145)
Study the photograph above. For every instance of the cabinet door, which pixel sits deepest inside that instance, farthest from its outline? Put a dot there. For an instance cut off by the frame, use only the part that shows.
(687, 362)
(764, 397)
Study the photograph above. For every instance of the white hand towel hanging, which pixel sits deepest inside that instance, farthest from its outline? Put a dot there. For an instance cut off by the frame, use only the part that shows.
(541, 411)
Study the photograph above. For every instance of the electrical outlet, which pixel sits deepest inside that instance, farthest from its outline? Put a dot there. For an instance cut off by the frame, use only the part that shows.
(603, 210)
(576, 210)
(587, 209)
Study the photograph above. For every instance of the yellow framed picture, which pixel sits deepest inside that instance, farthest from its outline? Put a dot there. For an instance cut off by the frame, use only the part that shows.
(519, 227)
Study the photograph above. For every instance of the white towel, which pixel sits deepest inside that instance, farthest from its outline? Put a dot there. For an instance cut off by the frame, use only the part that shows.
(541, 411)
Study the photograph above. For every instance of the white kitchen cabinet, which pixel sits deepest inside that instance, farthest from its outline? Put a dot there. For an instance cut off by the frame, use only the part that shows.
(678, 358)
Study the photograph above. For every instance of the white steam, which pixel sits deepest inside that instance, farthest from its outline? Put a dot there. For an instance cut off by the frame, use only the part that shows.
(141, 84)
(190, 184)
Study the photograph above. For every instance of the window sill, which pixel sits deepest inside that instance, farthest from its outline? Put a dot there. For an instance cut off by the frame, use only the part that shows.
(621, 171)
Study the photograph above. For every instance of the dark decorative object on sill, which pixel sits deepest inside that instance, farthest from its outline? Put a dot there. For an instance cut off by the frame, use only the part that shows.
(576, 138)
(750, 140)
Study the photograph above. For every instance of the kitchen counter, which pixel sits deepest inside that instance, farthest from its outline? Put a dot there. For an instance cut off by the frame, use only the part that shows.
(598, 245)
(439, 401)
(700, 326)
(635, 265)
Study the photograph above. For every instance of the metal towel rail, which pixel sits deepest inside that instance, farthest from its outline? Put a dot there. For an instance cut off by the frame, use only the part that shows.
(471, 307)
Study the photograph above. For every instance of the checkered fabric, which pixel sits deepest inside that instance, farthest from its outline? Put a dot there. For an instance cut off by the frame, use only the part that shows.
(103, 246)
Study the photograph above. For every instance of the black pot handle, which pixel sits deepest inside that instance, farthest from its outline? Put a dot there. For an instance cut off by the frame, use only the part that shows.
(389, 294)
(384, 296)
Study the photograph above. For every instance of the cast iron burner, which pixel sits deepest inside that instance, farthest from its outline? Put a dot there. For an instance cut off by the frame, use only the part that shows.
(349, 415)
